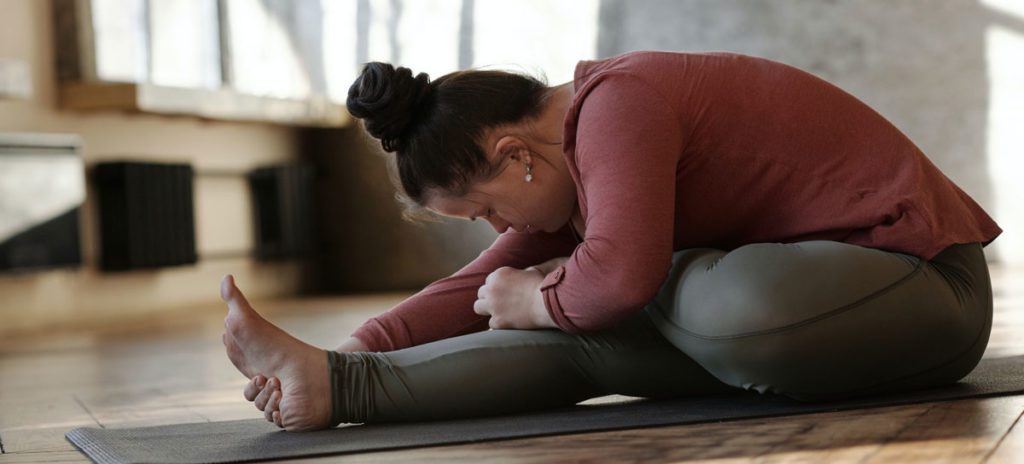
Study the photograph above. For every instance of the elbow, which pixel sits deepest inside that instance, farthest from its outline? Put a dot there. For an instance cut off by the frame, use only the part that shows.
(637, 288)
(618, 306)
(638, 296)
(619, 295)
(629, 296)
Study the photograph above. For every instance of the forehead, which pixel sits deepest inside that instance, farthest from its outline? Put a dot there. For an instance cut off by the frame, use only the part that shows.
(467, 205)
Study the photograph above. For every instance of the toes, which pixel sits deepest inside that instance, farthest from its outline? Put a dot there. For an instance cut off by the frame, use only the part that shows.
(227, 284)
(230, 293)
(241, 318)
(253, 387)
(277, 419)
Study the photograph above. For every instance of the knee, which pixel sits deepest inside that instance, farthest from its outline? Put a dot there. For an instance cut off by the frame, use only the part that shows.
(733, 302)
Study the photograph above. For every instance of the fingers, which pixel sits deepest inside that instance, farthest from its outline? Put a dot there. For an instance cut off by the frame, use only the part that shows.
(254, 386)
(267, 396)
(499, 273)
(272, 405)
(264, 396)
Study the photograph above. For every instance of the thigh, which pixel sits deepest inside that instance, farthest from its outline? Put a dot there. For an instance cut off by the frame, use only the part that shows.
(504, 371)
(822, 319)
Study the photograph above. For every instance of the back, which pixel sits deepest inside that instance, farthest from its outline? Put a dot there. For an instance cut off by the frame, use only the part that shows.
(774, 154)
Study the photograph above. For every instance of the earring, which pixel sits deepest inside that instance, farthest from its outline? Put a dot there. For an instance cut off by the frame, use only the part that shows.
(529, 173)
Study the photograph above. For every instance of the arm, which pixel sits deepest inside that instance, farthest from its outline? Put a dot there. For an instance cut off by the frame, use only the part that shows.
(351, 345)
(629, 142)
(444, 308)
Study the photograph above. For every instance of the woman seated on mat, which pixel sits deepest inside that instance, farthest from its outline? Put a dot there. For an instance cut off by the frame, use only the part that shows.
(670, 224)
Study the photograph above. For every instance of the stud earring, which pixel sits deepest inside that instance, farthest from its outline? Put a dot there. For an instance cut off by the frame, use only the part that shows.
(529, 173)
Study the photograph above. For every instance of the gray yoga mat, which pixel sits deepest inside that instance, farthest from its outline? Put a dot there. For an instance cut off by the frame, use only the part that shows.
(256, 439)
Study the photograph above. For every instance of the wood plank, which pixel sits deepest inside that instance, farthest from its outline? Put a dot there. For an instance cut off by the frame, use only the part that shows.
(40, 439)
(871, 435)
(170, 373)
(33, 423)
(1010, 449)
(46, 456)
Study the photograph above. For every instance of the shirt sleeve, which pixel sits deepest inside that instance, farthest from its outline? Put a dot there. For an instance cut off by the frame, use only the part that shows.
(628, 145)
(444, 308)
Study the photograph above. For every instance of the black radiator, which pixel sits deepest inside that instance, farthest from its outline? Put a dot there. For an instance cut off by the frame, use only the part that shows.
(146, 215)
(283, 206)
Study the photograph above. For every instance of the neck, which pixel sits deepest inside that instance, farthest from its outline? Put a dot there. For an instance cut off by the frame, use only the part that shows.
(552, 119)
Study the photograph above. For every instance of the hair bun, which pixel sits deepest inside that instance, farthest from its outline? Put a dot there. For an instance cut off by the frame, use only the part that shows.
(387, 100)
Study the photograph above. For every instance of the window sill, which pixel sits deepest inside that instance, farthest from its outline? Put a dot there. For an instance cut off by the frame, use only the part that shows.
(220, 104)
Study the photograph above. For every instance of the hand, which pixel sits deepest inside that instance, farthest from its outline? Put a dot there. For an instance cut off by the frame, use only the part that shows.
(260, 389)
(548, 266)
(351, 345)
(512, 299)
(266, 394)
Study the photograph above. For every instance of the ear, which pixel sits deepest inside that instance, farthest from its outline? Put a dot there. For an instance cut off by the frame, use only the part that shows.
(514, 147)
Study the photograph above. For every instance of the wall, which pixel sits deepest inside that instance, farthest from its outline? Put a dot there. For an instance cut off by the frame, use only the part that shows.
(365, 245)
(223, 218)
(943, 71)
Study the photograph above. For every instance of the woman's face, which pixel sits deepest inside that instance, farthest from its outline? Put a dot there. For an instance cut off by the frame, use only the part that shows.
(508, 200)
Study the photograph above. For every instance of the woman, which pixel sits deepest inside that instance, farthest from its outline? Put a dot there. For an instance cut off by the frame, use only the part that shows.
(670, 224)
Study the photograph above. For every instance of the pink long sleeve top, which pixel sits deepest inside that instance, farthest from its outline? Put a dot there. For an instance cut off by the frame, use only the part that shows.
(680, 150)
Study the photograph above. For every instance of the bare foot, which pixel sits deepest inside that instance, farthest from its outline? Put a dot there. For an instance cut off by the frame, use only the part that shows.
(257, 347)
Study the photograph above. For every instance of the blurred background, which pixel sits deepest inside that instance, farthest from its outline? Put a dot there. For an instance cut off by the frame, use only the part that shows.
(148, 147)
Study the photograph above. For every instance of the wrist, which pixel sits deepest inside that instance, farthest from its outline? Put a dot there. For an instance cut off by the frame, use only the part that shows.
(542, 317)
(351, 345)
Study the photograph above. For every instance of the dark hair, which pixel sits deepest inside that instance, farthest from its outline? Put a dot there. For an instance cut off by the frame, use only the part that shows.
(436, 128)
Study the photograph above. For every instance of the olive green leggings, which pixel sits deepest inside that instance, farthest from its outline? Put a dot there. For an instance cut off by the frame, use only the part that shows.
(814, 321)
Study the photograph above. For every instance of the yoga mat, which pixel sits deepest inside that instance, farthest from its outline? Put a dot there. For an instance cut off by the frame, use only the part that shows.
(257, 439)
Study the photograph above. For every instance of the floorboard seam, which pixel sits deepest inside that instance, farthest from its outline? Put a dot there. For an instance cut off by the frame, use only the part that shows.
(802, 431)
(992, 451)
(899, 432)
(87, 411)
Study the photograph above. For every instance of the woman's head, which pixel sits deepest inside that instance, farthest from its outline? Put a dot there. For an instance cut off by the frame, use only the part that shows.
(445, 134)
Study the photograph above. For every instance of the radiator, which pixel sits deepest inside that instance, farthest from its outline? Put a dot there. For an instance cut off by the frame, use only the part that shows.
(283, 203)
(146, 215)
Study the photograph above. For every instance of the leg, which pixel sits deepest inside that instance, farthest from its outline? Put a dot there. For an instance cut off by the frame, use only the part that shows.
(823, 320)
(507, 371)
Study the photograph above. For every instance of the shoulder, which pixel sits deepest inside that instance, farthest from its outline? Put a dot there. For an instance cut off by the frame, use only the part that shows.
(641, 62)
(666, 69)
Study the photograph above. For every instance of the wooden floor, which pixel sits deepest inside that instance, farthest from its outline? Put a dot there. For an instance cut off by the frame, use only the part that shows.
(174, 370)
